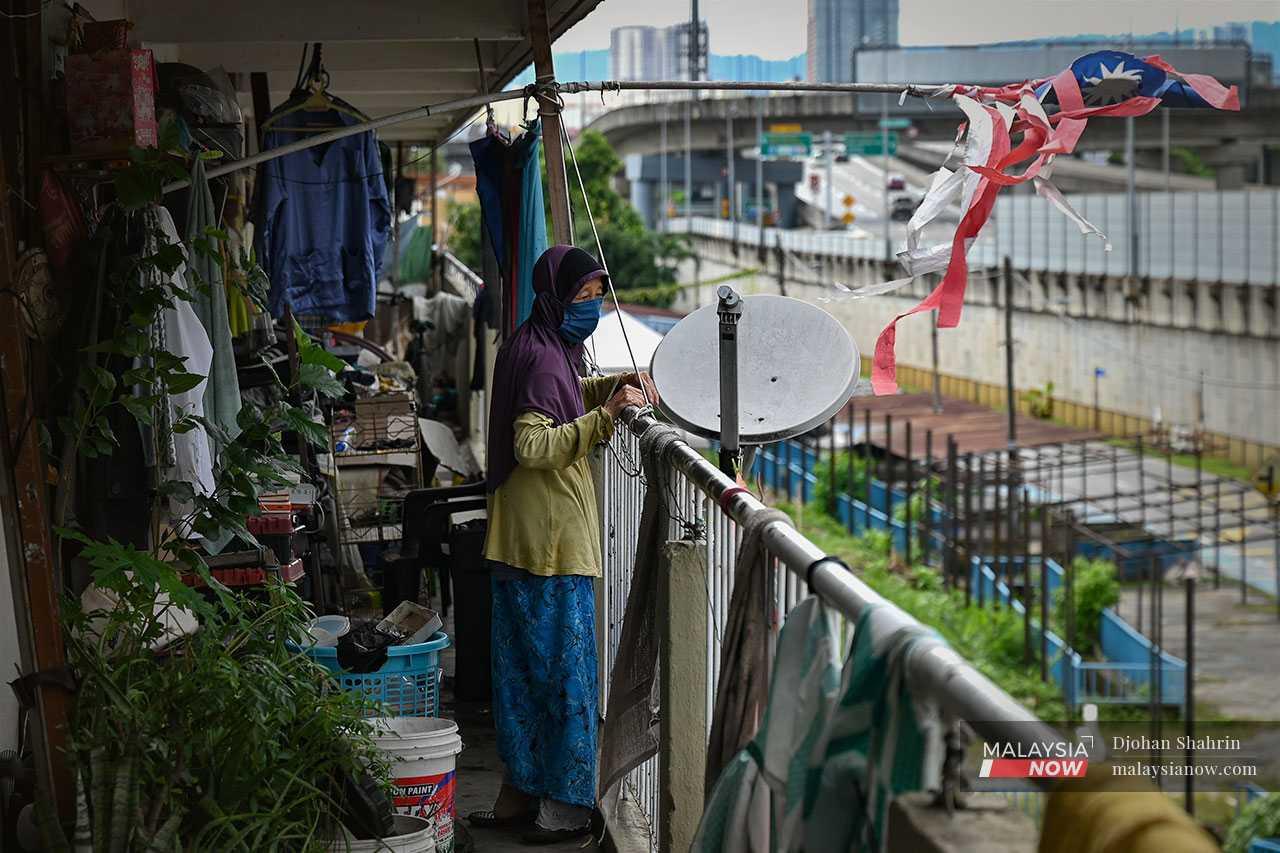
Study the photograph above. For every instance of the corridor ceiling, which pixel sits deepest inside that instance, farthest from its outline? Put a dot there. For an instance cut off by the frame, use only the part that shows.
(383, 56)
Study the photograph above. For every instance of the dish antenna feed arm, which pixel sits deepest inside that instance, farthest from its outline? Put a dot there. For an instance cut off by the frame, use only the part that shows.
(729, 311)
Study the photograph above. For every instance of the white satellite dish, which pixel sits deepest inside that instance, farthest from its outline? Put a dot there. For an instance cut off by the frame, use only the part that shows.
(796, 368)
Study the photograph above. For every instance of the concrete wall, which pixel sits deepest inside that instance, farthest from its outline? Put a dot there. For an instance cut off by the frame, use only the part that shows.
(1153, 339)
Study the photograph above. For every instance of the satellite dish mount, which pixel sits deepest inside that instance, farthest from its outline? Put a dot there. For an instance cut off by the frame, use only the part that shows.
(729, 311)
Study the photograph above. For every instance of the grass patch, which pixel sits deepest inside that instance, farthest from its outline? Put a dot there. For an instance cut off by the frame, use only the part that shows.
(1215, 465)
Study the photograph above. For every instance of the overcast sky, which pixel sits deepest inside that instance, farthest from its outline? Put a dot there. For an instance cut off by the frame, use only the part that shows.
(775, 29)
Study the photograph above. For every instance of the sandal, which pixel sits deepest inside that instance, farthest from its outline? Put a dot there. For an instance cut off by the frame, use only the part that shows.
(489, 819)
(540, 836)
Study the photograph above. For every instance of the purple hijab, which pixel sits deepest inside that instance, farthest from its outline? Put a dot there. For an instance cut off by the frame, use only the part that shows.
(535, 369)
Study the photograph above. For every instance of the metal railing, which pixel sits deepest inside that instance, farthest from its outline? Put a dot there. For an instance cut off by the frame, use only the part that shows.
(697, 491)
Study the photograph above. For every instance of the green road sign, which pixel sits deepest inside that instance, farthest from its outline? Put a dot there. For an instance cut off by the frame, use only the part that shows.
(868, 144)
(786, 144)
(894, 123)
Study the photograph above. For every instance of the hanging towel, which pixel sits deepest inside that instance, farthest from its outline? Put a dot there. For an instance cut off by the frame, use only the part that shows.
(738, 816)
(631, 722)
(187, 456)
(222, 390)
(509, 185)
(830, 754)
(872, 745)
(744, 658)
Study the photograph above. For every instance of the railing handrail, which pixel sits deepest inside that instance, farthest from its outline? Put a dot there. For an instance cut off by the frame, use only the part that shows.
(937, 669)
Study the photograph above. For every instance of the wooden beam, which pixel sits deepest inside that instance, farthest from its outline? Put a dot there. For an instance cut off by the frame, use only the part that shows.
(261, 101)
(22, 497)
(339, 57)
(549, 111)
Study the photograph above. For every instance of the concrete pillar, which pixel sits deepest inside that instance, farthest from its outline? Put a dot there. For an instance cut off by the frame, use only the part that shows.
(682, 743)
(642, 193)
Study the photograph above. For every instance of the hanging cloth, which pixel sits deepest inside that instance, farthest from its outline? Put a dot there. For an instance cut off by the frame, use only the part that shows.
(630, 735)
(222, 390)
(323, 221)
(831, 754)
(186, 456)
(744, 659)
(415, 257)
(509, 185)
(806, 678)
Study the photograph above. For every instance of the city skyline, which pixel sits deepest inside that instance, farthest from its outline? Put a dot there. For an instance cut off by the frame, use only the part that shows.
(776, 31)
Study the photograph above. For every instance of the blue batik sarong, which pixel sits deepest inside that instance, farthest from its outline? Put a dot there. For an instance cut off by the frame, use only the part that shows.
(544, 684)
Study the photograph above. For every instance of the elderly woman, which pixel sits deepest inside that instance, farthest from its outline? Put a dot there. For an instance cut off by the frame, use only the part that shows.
(543, 550)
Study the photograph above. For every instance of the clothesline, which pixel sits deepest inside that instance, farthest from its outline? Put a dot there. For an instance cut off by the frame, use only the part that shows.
(571, 88)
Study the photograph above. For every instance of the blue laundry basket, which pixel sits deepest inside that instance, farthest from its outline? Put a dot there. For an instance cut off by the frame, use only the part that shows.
(407, 685)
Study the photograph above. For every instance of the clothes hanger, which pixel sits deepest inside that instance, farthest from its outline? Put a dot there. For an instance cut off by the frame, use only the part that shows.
(313, 97)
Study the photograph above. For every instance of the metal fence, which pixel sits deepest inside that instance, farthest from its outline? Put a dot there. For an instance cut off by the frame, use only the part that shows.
(697, 490)
(1231, 236)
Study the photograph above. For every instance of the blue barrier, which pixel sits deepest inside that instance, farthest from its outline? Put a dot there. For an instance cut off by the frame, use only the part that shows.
(1123, 677)
(1170, 553)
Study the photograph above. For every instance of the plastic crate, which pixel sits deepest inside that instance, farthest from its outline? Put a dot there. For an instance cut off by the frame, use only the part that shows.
(1264, 845)
(249, 576)
(407, 685)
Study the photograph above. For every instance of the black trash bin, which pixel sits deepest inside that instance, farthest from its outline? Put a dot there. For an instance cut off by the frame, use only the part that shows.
(472, 617)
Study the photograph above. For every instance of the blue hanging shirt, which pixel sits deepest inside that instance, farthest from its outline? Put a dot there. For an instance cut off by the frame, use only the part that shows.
(323, 221)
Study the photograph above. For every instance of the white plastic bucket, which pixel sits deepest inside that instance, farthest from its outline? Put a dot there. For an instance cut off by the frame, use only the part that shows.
(423, 753)
(413, 835)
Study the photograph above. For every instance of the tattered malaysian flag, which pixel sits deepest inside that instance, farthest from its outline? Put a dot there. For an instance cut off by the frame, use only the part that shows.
(1009, 137)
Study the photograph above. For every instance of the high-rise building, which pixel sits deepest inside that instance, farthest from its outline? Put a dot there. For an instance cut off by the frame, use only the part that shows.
(1232, 32)
(837, 28)
(675, 51)
(635, 53)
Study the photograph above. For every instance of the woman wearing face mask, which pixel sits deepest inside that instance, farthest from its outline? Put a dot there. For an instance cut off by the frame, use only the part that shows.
(543, 549)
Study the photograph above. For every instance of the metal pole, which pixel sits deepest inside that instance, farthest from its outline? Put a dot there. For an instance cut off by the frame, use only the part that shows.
(1154, 581)
(688, 164)
(866, 470)
(967, 566)
(1008, 358)
(998, 515)
(435, 219)
(833, 502)
(952, 532)
(1044, 600)
(549, 111)
(1097, 407)
(827, 148)
(1189, 691)
(1131, 207)
(884, 151)
(665, 193)
(1069, 597)
(926, 541)
(849, 420)
(731, 175)
(1217, 533)
(982, 538)
(760, 175)
(888, 478)
(1027, 600)
(1244, 539)
(1164, 160)
(729, 311)
(909, 491)
(937, 377)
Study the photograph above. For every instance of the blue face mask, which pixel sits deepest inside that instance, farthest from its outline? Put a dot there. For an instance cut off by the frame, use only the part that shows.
(580, 320)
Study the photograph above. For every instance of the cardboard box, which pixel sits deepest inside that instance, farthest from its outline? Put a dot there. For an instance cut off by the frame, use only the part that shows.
(111, 101)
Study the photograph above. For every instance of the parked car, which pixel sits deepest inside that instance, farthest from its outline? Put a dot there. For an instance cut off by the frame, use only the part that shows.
(902, 207)
(897, 182)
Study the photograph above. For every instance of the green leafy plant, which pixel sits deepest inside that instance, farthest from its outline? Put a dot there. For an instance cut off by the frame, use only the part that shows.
(1040, 402)
(228, 739)
(850, 479)
(1095, 588)
(1259, 819)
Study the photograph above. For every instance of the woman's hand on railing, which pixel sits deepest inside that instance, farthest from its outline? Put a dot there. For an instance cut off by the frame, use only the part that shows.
(627, 395)
(644, 381)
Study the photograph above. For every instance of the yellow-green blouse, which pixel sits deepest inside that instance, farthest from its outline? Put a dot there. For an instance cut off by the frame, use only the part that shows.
(544, 519)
